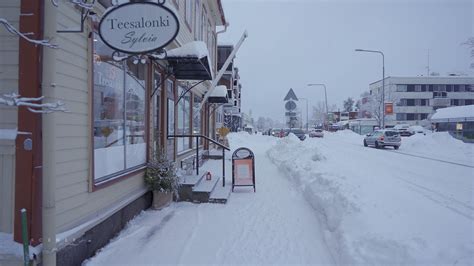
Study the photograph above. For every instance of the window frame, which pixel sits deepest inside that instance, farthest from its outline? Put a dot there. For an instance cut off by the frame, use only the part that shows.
(111, 179)
(188, 10)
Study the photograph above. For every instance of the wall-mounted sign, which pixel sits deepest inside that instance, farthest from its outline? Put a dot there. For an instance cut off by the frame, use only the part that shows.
(138, 28)
(388, 108)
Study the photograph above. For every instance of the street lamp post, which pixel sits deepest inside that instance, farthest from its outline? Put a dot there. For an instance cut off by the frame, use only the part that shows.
(325, 98)
(306, 112)
(383, 80)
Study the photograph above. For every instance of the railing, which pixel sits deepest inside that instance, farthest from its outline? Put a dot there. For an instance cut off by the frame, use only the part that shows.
(197, 151)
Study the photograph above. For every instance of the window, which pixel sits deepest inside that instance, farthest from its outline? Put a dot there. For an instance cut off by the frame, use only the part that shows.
(410, 102)
(401, 88)
(197, 118)
(188, 13)
(170, 92)
(462, 88)
(410, 88)
(423, 116)
(156, 110)
(455, 102)
(184, 118)
(411, 116)
(449, 88)
(423, 88)
(430, 88)
(197, 17)
(203, 25)
(417, 88)
(468, 101)
(401, 116)
(456, 88)
(118, 113)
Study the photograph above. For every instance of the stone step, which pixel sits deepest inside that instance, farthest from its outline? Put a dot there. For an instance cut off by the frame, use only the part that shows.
(202, 191)
(220, 194)
(186, 185)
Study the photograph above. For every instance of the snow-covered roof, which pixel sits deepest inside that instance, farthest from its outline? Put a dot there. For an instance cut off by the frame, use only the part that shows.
(454, 114)
(191, 49)
(219, 91)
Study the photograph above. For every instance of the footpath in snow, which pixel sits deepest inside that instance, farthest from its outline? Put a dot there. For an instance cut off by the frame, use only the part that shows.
(276, 225)
(378, 207)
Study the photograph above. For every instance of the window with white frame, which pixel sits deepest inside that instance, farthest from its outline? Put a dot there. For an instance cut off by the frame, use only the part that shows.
(184, 118)
(119, 121)
(197, 17)
(188, 13)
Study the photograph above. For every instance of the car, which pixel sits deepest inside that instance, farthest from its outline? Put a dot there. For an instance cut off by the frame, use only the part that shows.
(382, 138)
(297, 132)
(417, 130)
(402, 129)
(316, 133)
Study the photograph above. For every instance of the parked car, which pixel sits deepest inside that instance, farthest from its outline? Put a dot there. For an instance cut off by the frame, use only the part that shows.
(298, 132)
(417, 130)
(403, 130)
(316, 133)
(382, 138)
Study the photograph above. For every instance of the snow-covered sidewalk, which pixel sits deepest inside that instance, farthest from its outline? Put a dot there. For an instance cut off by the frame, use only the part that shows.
(275, 225)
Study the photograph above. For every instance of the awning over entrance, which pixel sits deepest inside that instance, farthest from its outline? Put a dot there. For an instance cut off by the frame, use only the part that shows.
(190, 61)
(219, 95)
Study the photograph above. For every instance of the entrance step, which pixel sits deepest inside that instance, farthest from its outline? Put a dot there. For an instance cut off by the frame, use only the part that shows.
(186, 185)
(220, 194)
(202, 191)
(213, 155)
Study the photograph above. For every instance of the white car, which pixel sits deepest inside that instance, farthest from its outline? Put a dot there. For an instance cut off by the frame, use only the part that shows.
(417, 130)
(316, 133)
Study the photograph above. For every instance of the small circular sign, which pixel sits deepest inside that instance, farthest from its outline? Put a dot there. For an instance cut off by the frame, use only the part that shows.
(290, 105)
(137, 28)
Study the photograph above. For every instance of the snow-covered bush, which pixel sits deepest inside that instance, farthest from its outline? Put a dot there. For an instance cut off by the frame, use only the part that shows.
(161, 174)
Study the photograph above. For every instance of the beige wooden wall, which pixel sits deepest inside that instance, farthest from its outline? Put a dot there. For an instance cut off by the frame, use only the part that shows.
(75, 204)
(9, 43)
(9, 10)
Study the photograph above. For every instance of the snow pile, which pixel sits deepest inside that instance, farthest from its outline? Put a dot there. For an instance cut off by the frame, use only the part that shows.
(382, 207)
(440, 145)
(8, 134)
(466, 111)
(10, 247)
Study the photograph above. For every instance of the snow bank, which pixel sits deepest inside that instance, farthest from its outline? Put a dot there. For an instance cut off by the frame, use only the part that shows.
(381, 207)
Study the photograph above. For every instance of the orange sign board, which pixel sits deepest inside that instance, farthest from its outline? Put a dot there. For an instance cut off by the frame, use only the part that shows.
(388, 108)
(243, 172)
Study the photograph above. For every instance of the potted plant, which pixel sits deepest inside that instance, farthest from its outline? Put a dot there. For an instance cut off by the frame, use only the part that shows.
(162, 180)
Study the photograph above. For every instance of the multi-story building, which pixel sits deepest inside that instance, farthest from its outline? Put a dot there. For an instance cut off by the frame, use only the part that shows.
(92, 159)
(231, 79)
(416, 98)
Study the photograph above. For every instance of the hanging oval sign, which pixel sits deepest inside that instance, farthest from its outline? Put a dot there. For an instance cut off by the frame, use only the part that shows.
(138, 28)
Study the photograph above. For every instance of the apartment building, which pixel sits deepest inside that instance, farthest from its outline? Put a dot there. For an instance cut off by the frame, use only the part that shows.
(416, 98)
(231, 79)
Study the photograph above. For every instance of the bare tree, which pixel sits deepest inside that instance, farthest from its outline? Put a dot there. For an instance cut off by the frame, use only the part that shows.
(470, 43)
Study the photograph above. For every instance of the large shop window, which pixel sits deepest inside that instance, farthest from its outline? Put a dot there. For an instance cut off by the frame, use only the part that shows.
(197, 115)
(118, 113)
(184, 119)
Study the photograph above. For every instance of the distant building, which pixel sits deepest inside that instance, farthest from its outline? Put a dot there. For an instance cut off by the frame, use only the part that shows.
(416, 98)
(458, 121)
(232, 116)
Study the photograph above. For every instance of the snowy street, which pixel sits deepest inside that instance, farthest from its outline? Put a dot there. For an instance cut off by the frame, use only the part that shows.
(321, 201)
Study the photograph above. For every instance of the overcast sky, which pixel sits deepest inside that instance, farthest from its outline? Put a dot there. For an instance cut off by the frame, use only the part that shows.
(295, 42)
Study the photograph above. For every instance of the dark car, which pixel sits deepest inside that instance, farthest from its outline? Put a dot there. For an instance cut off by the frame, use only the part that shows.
(298, 132)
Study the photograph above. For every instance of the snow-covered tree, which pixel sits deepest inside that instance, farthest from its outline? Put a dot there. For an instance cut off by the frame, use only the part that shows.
(348, 104)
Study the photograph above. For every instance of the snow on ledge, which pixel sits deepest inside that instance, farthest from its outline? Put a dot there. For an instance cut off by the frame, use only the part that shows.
(458, 112)
(192, 49)
(219, 91)
(8, 134)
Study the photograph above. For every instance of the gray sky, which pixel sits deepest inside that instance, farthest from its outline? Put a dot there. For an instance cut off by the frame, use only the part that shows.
(295, 42)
